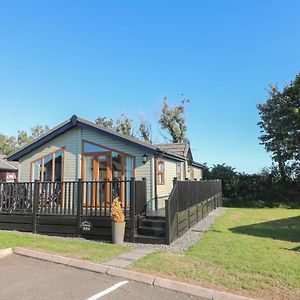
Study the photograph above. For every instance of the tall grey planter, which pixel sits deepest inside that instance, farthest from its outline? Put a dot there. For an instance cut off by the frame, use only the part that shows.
(118, 231)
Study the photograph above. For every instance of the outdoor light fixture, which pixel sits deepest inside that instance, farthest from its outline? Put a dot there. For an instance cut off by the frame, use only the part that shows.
(145, 158)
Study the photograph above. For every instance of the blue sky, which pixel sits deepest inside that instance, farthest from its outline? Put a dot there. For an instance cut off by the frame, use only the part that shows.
(91, 58)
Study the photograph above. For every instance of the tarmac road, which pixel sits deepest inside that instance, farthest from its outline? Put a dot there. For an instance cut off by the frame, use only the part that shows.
(26, 278)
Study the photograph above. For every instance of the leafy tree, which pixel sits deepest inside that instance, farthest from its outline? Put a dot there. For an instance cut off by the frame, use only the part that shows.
(228, 176)
(145, 132)
(38, 130)
(23, 138)
(124, 125)
(280, 125)
(105, 122)
(7, 144)
(173, 120)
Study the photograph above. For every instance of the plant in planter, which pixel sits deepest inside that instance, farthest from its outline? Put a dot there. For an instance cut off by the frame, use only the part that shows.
(118, 222)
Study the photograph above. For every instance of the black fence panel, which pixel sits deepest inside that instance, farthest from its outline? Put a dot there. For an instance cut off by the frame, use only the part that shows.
(190, 202)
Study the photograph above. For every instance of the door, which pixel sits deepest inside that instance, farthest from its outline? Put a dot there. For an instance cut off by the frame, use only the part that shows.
(96, 171)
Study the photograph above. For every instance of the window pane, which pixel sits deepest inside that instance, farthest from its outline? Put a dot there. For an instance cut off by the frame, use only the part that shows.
(37, 168)
(129, 166)
(116, 165)
(88, 148)
(102, 160)
(161, 166)
(48, 168)
(58, 166)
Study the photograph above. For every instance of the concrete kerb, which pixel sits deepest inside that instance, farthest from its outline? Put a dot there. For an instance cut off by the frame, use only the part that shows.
(6, 252)
(128, 274)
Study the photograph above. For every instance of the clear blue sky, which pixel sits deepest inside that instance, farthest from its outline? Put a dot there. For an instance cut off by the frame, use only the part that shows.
(90, 58)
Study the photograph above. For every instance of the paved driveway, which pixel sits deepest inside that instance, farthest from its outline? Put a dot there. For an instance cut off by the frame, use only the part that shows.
(26, 278)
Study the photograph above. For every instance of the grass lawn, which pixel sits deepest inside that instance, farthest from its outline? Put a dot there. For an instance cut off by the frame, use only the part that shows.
(254, 252)
(93, 251)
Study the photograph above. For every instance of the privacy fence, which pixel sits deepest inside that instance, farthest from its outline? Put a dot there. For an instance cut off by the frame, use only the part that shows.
(77, 208)
(188, 203)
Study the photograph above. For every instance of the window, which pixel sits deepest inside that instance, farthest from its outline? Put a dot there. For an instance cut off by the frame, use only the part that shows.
(37, 170)
(160, 172)
(49, 167)
(178, 170)
(92, 148)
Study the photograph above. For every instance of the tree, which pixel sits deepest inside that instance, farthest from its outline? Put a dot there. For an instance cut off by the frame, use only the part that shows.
(145, 132)
(280, 124)
(173, 120)
(228, 176)
(7, 144)
(38, 130)
(122, 124)
(105, 122)
(22, 138)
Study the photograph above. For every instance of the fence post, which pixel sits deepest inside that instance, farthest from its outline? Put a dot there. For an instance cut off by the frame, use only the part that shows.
(79, 205)
(35, 204)
(132, 209)
(177, 199)
(168, 225)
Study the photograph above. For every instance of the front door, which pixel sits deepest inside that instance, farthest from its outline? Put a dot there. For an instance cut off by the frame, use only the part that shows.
(97, 174)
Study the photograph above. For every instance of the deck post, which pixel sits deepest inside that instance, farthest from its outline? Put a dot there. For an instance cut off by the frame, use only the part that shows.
(79, 205)
(132, 209)
(168, 225)
(35, 204)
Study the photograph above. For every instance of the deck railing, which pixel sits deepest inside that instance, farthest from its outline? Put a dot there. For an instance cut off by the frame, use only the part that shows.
(37, 206)
(188, 203)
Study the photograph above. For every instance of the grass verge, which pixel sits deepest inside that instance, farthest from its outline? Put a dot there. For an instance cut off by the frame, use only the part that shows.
(254, 252)
(75, 248)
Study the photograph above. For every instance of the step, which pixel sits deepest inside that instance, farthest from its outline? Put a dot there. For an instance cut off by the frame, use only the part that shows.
(145, 239)
(158, 223)
(151, 231)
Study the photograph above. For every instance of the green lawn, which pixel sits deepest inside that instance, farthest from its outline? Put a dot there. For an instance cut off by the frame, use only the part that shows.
(93, 251)
(254, 252)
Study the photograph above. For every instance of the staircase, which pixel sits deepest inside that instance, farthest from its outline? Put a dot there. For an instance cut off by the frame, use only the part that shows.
(151, 230)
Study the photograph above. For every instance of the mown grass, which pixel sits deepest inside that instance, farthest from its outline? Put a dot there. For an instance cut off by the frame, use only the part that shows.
(93, 251)
(248, 251)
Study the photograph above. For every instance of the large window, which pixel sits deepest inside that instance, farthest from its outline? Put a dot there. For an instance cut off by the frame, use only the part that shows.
(160, 173)
(49, 167)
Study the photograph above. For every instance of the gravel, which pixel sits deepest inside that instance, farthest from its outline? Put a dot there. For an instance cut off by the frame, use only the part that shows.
(190, 238)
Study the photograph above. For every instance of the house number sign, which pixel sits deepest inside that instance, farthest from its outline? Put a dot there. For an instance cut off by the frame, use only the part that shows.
(86, 225)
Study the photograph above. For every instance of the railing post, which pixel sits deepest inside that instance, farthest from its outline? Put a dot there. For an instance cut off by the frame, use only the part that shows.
(35, 201)
(132, 209)
(145, 200)
(79, 205)
(168, 225)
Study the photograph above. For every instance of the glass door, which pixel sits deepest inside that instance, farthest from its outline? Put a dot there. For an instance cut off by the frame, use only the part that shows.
(96, 171)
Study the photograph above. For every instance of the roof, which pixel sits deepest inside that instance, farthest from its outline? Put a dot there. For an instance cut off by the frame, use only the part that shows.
(75, 121)
(181, 149)
(178, 148)
(7, 166)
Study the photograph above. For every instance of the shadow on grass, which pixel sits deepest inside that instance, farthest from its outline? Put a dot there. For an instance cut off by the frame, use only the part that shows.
(284, 229)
